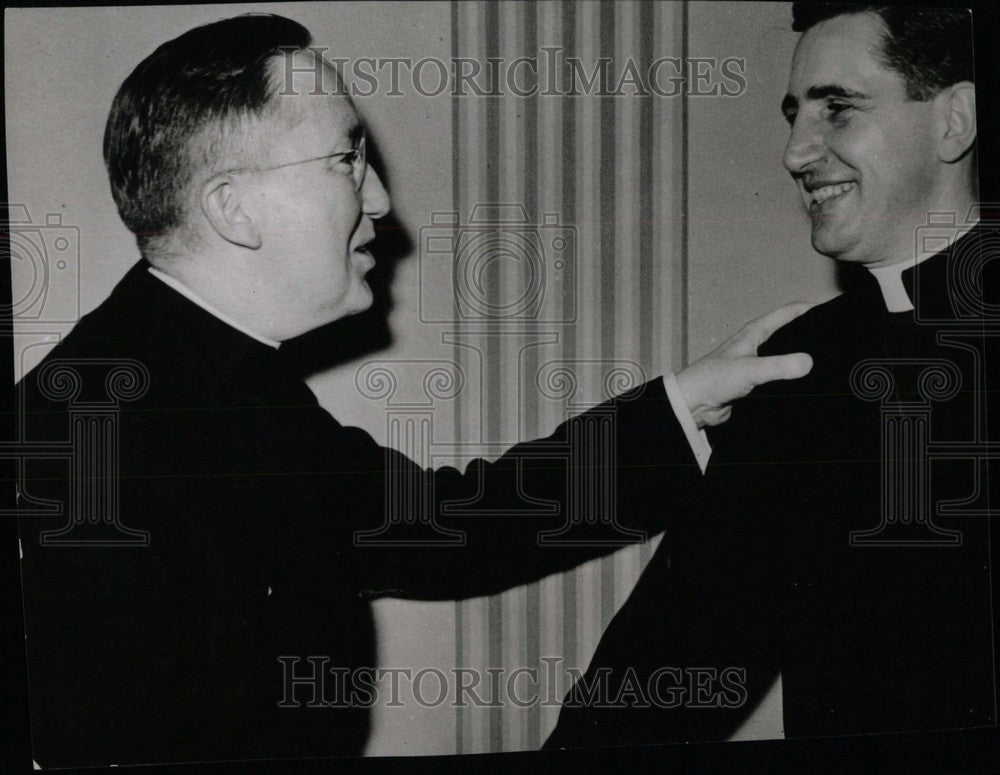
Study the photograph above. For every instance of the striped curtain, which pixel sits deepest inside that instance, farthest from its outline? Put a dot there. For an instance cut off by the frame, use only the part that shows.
(607, 174)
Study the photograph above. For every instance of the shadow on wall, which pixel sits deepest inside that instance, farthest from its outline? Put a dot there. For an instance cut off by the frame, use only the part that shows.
(358, 335)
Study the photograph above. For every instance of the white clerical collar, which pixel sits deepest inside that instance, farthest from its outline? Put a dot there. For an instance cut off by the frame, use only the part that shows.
(182, 289)
(890, 278)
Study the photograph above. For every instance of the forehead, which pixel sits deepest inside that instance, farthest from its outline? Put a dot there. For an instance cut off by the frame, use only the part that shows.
(312, 104)
(843, 51)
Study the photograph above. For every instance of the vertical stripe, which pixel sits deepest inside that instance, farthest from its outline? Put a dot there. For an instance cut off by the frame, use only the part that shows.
(460, 660)
(609, 227)
(614, 169)
(530, 396)
(586, 167)
(514, 266)
(571, 297)
(628, 309)
(669, 173)
(589, 189)
(456, 199)
(473, 157)
(478, 730)
(551, 176)
(491, 346)
(682, 311)
(529, 172)
(647, 213)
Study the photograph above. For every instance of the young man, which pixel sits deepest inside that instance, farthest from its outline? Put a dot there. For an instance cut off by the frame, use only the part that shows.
(826, 548)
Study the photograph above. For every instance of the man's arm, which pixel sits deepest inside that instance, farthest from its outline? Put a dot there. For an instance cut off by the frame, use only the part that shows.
(598, 483)
(602, 492)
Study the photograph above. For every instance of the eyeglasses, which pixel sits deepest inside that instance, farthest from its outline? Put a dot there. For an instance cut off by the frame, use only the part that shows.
(356, 158)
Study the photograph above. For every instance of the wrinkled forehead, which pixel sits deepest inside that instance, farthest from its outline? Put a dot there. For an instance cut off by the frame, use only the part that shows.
(843, 51)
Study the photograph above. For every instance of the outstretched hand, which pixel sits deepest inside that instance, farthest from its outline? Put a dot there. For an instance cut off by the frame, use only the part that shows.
(733, 369)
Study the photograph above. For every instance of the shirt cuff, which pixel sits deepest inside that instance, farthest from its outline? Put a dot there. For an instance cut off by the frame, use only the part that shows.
(697, 439)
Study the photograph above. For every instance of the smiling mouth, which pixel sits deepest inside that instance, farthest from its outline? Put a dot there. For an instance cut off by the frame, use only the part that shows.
(818, 196)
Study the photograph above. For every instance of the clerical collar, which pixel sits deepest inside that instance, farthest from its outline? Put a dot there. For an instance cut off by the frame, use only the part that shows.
(182, 289)
(890, 280)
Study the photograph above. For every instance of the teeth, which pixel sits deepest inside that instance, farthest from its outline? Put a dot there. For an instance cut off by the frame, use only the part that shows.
(820, 195)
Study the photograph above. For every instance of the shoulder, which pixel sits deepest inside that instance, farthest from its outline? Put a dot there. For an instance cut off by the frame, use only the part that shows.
(114, 330)
(823, 323)
(135, 333)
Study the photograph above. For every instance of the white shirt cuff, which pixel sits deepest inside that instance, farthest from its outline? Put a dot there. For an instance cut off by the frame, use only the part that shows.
(697, 439)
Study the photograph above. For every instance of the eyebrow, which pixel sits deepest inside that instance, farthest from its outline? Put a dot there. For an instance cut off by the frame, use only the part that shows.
(821, 93)
(355, 134)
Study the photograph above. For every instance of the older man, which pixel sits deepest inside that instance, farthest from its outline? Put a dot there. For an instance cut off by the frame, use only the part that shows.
(158, 616)
(829, 550)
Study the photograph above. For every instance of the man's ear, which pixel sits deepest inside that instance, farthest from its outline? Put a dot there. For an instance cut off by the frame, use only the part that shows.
(224, 206)
(958, 104)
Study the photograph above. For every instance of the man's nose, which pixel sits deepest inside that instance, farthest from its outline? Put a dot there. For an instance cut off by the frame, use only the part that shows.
(374, 198)
(805, 145)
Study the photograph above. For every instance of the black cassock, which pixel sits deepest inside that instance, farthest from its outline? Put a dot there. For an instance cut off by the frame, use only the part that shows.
(250, 495)
(841, 537)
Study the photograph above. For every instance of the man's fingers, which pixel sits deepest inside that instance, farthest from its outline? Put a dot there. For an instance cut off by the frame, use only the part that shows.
(716, 417)
(760, 330)
(771, 367)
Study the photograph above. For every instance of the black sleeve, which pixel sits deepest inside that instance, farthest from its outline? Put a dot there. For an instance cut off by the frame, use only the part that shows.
(614, 475)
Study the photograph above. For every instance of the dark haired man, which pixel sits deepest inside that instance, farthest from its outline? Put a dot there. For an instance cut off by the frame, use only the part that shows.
(236, 501)
(829, 550)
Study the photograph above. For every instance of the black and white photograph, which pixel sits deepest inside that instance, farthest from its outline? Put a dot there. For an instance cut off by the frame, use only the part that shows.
(537, 380)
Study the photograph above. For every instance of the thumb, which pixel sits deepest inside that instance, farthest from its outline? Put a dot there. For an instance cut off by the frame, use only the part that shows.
(768, 368)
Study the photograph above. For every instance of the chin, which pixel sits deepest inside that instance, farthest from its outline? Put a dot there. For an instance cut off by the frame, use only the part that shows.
(364, 300)
(833, 247)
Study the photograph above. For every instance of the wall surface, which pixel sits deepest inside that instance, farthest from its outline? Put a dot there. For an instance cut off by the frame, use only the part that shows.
(748, 249)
